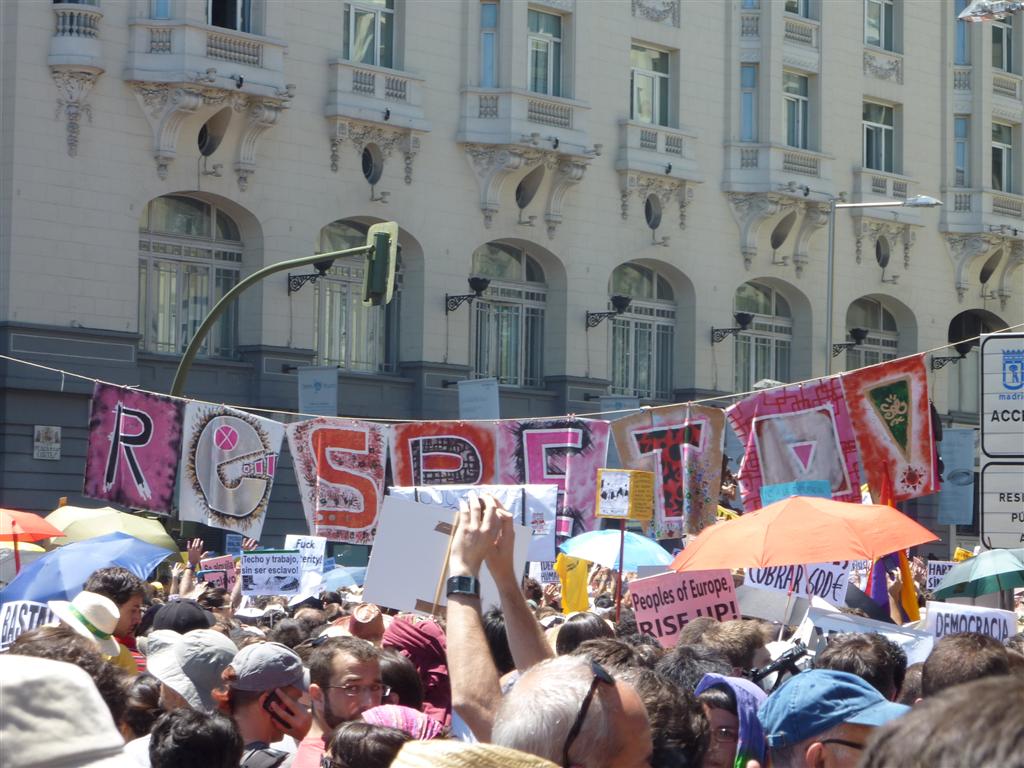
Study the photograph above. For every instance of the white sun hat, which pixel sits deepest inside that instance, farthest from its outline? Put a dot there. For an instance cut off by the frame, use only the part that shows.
(91, 615)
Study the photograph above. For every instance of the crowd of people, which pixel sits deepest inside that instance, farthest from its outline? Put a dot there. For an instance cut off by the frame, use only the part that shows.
(176, 673)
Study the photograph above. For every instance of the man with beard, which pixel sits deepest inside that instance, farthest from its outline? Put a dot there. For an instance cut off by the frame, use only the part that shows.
(345, 681)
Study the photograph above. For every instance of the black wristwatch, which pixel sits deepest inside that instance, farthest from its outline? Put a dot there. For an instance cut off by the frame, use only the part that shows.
(463, 585)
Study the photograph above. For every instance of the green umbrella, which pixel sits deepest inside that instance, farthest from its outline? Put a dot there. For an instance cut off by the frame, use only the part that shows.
(987, 572)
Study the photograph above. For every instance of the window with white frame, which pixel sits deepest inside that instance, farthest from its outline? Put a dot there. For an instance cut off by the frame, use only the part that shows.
(796, 94)
(962, 42)
(883, 337)
(488, 45)
(880, 24)
(649, 85)
(508, 321)
(763, 350)
(799, 7)
(643, 337)
(1002, 44)
(228, 14)
(369, 33)
(1002, 158)
(348, 334)
(190, 255)
(961, 150)
(748, 102)
(545, 52)
(879, 137)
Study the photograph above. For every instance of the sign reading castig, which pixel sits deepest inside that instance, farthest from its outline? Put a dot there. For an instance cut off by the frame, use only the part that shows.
(666, 603)
(1002, 440)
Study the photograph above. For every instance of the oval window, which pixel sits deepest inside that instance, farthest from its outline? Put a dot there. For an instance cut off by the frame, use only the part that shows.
(782, 230)
(882, 252)
(652, 211)
(528, 187)
(212, 132)
(373, 163)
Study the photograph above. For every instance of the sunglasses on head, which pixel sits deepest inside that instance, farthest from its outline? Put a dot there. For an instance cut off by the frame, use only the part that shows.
(601, 675)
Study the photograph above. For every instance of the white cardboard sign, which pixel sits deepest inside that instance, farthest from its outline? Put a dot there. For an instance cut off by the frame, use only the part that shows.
(825, 580)
(819, 623)
(277, 572)
(936, 570)
(19, 616)
(312, 549)
(953, 618)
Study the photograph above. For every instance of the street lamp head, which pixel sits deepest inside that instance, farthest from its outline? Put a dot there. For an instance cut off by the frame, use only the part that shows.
(921, 201)
(990, 10)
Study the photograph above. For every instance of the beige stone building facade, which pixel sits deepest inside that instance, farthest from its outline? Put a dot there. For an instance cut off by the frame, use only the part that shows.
(681, 154)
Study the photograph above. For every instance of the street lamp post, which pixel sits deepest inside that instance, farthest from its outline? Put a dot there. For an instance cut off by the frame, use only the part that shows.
(917, 201)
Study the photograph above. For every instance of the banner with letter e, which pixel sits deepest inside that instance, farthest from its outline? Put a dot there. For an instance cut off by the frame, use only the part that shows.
(666, 603)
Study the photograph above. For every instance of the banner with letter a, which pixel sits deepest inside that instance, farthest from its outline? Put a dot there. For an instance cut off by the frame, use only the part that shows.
(228, 458)
(339, 466)
(134, 442)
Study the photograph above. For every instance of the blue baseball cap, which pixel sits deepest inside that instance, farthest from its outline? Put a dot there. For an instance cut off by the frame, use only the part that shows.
(818, 699)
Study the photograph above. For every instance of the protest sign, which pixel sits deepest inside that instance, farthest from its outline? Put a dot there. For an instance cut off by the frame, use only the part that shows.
(312, 549)
(19, 616)
(665, 604)
(271, 572)
(625, 494)
(225, 563)
(820, 623)
(936, 570)
(779, 491)
(770, 605)
(409, 553)
(534, 506)
(960, 554)
(952, 618)
(826, 580)
(233, 544)
(215, 578)
(544, 572)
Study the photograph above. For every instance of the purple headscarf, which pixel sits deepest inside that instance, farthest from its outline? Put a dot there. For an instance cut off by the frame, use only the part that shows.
(748, 698)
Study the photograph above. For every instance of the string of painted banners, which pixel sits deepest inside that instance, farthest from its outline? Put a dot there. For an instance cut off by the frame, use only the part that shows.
(223, 461)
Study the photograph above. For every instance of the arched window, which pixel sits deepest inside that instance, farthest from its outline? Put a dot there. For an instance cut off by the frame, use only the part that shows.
(348, 334)
(763, 350)
(643, 336)
(190, 254)
(508, 322)
(882, 339)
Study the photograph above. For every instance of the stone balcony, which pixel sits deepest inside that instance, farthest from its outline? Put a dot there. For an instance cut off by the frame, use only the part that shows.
(754, 167)
(801, 31)
(1006, 97)
(654, 159)
(75, 61)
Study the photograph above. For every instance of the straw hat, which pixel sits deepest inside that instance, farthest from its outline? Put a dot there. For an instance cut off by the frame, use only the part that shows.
(91, 615)
(457, 754)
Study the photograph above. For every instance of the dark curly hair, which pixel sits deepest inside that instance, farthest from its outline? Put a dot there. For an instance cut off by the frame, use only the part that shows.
(119, 584)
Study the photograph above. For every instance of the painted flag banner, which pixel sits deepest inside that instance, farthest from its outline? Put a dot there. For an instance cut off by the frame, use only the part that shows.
(682, 446)
(444, 453)
(339, 467)
(134, 444)
(564, 452)
(799, 432)
(892, 423)
(228, 460)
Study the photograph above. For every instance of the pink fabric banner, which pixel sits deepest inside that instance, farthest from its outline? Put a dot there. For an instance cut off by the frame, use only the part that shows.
(563, 452)
(134, 440)
(339, 466)
(799, 432)
(682, 446)
(444, 453)
(892, 422)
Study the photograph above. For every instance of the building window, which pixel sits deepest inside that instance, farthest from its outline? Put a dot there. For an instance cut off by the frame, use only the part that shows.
(369, 33)
(190, 254)
(962, 43)
(508, 321)
(347, 333)
(488, 45)
(228, 14)
(799, 7)
(160, 9)
(879, 137)
(643, 337)
(750, 5)
(883, 337)
(748, 102)
(762, 351)
(649, 85)
(1002, 158)
(1002, 44)
(879, 23)
(545, 52)
(795, 88)
(961, 150)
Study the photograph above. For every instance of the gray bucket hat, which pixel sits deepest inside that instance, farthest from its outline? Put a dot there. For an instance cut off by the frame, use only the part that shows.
(192, 665)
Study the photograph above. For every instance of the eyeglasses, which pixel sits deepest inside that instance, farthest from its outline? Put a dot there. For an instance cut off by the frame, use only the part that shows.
(600, 676)
(329, 762)
(375, 689)
(843, 742)
(724, 735)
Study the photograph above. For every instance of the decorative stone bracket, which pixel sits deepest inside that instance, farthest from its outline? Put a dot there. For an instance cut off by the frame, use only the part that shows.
(387, 139)
(168, 105)
(492, 164)
(965, 249)
(73, 87)
(751, 210)
(663, 187)
(893, 231)
(815, 216)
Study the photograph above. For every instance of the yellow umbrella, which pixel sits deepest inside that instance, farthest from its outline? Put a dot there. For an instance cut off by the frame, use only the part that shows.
(80, 523)
(22, 546)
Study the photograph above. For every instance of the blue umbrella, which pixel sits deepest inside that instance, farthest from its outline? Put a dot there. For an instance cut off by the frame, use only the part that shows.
(60, 574)
(341, 577)
(602, 547)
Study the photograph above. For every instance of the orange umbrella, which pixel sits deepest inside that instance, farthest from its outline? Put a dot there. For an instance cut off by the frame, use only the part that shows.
(24, 526)
(802, 529)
